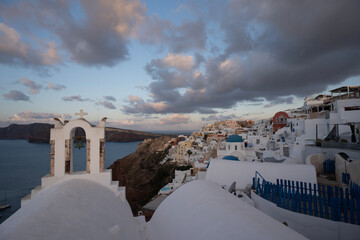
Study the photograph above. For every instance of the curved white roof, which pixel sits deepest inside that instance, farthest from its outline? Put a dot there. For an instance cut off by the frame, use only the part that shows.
(73, 209)
(203, 210)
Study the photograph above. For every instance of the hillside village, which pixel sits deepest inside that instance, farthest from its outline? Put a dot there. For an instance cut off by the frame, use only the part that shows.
(324, 126)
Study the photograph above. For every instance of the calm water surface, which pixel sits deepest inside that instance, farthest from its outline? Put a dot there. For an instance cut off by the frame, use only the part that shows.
(22, 164)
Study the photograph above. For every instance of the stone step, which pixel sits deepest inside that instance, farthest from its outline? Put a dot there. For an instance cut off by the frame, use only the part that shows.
(35, 190)
(25, 199)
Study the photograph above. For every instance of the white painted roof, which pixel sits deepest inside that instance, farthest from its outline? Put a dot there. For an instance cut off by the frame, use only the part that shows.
(203, 210)
(73, 209)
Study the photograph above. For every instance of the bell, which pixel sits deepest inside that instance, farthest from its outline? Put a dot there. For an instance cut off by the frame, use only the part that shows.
(79, 143)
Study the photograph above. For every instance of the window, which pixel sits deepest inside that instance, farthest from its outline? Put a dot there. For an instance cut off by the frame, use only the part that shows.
(235, 147)
(257, 141)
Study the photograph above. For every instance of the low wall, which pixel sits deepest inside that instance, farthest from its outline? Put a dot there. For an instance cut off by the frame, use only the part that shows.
(224, 172)
(309, 226)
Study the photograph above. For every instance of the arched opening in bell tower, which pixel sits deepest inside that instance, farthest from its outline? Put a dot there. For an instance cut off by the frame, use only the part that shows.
(78, 156)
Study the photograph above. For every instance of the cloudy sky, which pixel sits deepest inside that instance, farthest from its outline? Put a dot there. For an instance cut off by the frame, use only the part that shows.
(163, 65)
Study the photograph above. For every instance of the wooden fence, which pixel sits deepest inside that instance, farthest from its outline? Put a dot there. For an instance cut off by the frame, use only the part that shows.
(333, 203)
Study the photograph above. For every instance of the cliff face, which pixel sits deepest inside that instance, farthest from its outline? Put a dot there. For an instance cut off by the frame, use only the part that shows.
(124, 135)
(40, 132)
(141, 172)
(37, 131)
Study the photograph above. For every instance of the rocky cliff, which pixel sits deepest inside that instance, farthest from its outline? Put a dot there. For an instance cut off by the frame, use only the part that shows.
(40, 132)
(141, 172)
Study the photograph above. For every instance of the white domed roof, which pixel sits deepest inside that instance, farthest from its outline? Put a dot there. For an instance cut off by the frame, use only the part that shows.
(203, 210)
(73, 209)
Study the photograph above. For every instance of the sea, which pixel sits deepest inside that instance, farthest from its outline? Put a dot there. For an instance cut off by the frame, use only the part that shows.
(22, 164)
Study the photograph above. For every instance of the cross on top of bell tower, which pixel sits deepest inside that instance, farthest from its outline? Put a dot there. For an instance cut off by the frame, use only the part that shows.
(81, 113)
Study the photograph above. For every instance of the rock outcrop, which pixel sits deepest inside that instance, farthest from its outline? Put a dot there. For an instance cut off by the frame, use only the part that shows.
(141, 172)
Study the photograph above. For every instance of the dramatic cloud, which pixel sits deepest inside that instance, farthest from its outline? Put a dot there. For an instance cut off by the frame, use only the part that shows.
(274, 51)
(175, 119)
(13, 51)
(189, 35)
(301, 46)
(76, 98)
(280, 100)
(106, 104)
(56, 87)
(91, 32)
(15, 95)
(220, 117)
(110, 98)
(33, 86)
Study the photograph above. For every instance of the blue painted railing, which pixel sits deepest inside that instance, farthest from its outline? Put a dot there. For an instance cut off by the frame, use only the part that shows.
(333, 203)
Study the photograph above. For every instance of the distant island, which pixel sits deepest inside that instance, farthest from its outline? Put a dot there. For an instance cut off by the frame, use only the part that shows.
(40, 133)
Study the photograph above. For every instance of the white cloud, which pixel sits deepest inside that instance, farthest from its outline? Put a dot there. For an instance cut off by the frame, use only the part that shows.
(33, 86)
(175, 119)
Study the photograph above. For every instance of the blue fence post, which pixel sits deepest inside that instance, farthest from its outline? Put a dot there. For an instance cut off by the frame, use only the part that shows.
(321, 206)
(298, 201)
(301, 189)
(352, 220)
(297, 186)
(329, 193)
(347, 196)
(326, 207)
(283, 199)
(304, 200)
(316, 212)
(322, 190)
(274, 193)
(288, 199)
(310, 204)
(267, 190)
(345, 208)
(358, 211)
(333, 213)
(338, 209)
(262, 188)
(279, 196)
